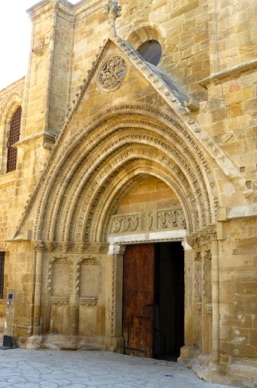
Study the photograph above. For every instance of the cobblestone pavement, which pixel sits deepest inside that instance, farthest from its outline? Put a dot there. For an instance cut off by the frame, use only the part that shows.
(78, 369)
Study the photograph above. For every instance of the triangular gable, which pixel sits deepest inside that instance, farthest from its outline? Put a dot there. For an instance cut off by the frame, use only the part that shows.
(164, 85)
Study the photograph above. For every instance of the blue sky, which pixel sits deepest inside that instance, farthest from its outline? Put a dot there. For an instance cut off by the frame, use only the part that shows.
(15, 29)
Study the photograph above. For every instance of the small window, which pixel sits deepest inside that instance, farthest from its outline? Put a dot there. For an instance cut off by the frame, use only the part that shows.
(14, 136)
(151, 51)
(2, 254)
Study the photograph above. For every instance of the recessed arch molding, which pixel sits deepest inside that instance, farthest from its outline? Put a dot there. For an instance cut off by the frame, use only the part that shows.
(97, 164)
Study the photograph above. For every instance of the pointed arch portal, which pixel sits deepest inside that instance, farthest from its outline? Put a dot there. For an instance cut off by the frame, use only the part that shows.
(132, 174)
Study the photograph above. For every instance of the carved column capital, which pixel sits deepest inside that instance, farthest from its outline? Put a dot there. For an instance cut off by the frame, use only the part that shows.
(39, 246)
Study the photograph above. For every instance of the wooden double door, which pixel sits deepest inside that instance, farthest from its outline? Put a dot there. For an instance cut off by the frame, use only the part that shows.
(153, 299)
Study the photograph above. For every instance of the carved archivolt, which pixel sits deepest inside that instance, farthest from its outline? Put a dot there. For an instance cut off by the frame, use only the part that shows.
(106, 164)
(100, 158)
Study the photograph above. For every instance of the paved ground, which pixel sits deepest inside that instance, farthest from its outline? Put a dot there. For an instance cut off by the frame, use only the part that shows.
(79, 369)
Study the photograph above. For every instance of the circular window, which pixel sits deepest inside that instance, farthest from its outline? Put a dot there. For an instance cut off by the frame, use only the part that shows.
(151, 51)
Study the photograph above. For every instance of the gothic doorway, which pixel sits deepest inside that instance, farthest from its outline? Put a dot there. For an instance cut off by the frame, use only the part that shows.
(153, 300)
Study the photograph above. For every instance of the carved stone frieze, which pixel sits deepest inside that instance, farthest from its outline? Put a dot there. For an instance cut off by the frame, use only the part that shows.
(148, 221)
(170, 219)
(88, 301)
(50, 246)
(60, 300)
(62, 247)
(39, 246)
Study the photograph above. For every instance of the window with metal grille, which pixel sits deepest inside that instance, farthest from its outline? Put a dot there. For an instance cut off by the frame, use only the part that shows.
(14, 135)
(2, 254)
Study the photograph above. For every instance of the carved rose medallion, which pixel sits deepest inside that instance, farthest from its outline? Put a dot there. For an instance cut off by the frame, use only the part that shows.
(112, 73)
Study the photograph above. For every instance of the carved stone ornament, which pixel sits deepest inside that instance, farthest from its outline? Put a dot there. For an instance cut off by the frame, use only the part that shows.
(112, 73)
(113, 9)
(88, 301)
(159, 220)
(60, 300)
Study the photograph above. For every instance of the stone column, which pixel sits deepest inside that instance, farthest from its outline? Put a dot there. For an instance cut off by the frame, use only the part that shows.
(39, 254)
(188, 336)
(206, 303)
(215, 302)
(115, 281)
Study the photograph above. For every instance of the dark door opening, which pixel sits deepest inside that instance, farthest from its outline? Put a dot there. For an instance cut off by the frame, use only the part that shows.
(153, 300)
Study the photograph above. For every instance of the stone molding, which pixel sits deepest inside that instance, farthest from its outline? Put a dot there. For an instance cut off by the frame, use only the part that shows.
(47, 138)
(62, 247)
(60, 301)
(88, 301)
(174, 169)
(118, 242)
(232, 72)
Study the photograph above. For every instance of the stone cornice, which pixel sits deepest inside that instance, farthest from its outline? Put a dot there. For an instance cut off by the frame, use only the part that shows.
(244, 211)
(231, 72)
(48, 140)
(66, 247)
(37, 9)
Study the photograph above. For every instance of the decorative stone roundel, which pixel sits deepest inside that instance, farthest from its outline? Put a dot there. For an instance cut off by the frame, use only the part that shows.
(112, 73)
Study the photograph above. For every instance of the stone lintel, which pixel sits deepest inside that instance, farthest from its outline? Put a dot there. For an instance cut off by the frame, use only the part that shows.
(126, 239)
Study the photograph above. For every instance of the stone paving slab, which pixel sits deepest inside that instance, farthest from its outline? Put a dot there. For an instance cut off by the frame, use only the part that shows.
(20, 368)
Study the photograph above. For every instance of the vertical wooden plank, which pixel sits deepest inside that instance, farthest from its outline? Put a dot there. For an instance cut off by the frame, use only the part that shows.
(138, 299)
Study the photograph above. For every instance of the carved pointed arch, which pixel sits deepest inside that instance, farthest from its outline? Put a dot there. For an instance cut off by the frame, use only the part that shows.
(11, 104)
(96, 167)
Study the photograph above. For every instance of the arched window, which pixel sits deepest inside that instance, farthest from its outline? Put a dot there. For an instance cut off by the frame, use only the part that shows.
(151, 51)
(14, 135)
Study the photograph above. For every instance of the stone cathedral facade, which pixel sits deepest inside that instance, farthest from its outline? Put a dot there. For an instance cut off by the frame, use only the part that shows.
(128, 217)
